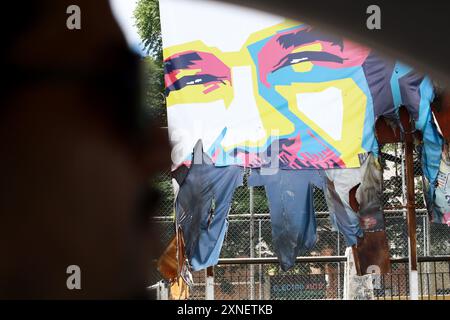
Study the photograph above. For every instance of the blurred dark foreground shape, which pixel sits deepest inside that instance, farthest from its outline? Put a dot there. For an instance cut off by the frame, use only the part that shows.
(76, 157)
(76, 153)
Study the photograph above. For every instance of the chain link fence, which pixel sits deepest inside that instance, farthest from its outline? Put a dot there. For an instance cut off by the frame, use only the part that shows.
(249, 236)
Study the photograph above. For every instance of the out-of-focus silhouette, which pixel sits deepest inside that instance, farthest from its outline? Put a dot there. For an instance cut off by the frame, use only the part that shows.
(76, 157)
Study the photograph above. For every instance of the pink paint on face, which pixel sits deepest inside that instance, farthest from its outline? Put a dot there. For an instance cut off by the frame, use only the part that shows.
(208, 64)
(353, 54)
(291, 155)
(211, 88)
(327, 157)
(273, 52)
(288, 153)
(251, 160)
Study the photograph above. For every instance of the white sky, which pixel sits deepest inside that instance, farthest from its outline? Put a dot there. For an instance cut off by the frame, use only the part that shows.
(234, 18)
(221, 25)
(123, 11)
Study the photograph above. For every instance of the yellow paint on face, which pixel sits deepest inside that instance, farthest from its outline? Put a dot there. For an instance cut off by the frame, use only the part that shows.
(192, 94)
(187, 72)
(273, 121)
(310, 47)
(271, 118)
(303, 67)
(354, 104)
(196, 95)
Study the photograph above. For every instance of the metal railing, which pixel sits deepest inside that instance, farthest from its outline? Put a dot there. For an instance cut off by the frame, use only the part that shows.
(319, 278)
(249, 237)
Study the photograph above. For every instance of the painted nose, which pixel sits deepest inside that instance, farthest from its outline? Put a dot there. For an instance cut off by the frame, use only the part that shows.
(244, 122)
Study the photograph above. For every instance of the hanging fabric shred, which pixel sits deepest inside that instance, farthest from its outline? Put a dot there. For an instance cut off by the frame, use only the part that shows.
(203, 226)
(439, 205)
(279, 93)
(290, 195)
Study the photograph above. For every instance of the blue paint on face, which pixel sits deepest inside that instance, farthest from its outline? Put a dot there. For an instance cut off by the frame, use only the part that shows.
(288, 76)
(281, 104)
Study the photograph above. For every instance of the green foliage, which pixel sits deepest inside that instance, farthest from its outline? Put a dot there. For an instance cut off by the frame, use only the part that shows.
(148, 25)
(154, 98)
(164, 185)
(241, 201)
(226, 286)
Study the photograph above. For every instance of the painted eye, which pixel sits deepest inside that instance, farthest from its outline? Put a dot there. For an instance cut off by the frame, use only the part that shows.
(196, 81)
(294, 61)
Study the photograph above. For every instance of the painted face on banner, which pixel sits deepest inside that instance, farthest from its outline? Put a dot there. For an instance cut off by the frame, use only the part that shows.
(252, 86)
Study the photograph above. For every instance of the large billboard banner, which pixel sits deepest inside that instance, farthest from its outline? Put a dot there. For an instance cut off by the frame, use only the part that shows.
(251, 85)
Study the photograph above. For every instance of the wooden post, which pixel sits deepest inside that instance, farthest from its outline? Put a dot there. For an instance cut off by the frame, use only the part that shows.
(387, 134)
(410, 204)
(356, 260)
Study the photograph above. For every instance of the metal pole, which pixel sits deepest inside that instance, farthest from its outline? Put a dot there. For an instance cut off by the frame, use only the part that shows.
(396, 164)
(427, 251)
(163, 291)
(209, 284)
(260, 265)
(252, 246)
(403, 179)
(424, 231)
(411, 213)
(427, 248)
(338, 265)
(319, 259)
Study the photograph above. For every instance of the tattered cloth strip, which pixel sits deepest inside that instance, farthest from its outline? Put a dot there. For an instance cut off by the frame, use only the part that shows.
(273, 92)
(363, 227)
(294, 227)
(203, 226)
(173, 266)
(438, 200)
(292, 212)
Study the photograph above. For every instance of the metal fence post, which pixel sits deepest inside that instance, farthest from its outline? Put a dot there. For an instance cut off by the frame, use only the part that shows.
(411, 209)
(248, 211)
(427, 250)
(209, 284)
(163, 291)
(260, 265)
(339, 268)
(403, 180)
(252, 245)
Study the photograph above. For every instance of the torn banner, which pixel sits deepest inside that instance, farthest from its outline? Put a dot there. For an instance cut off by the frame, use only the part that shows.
(204, 227)
(261, 91)
(354, 198)
(292, 214)
(437, 195)
(243, 81)
(290, 195)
